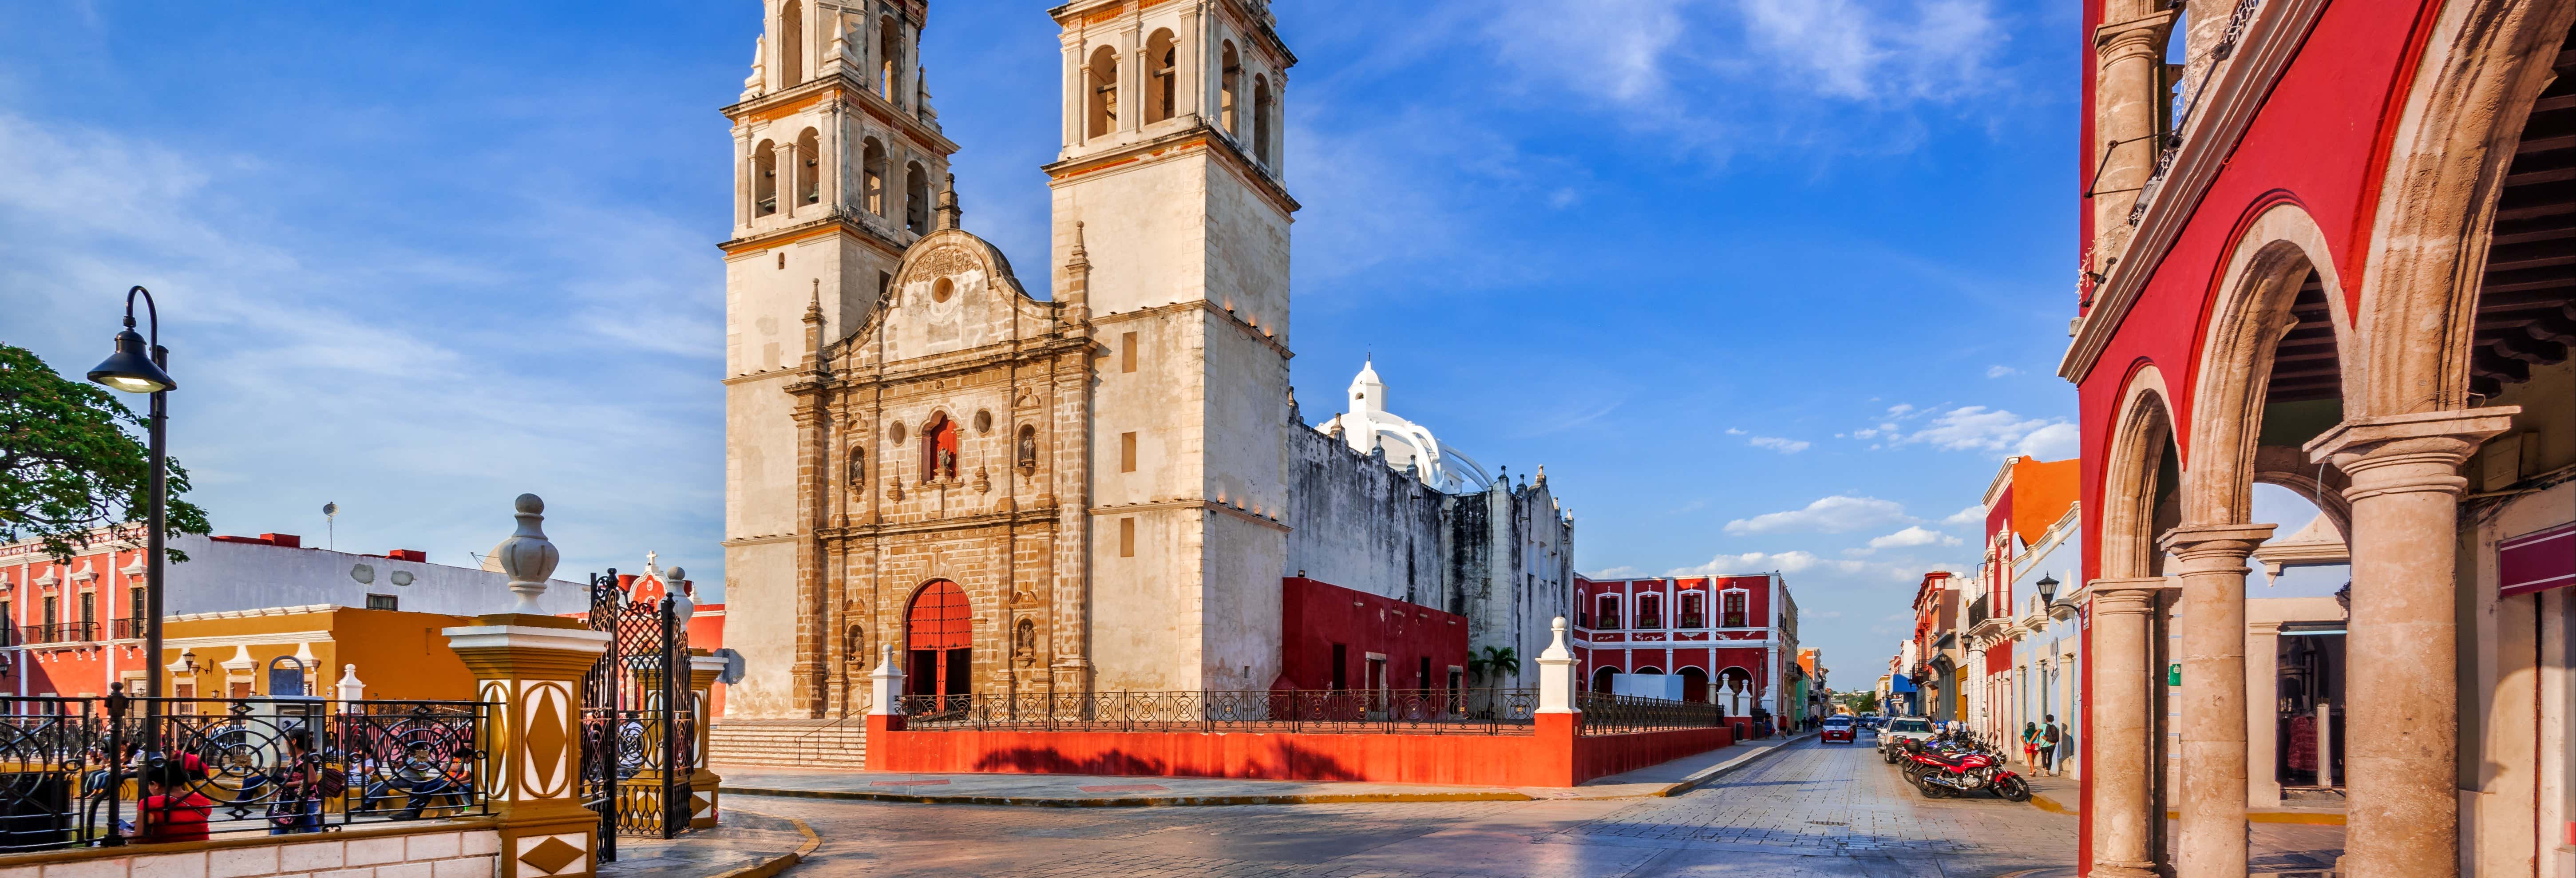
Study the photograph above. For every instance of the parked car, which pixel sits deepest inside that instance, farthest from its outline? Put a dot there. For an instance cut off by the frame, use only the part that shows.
(1839, 728)
(1899, 730)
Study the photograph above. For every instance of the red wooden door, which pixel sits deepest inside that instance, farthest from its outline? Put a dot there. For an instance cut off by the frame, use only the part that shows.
(939, 639)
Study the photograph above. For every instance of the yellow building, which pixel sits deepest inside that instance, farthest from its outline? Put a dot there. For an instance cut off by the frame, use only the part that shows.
(314, 648)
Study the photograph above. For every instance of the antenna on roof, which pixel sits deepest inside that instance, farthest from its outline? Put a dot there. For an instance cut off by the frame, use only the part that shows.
(330, 531)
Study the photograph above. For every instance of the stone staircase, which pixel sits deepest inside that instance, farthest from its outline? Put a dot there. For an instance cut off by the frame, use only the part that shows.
(790, 743)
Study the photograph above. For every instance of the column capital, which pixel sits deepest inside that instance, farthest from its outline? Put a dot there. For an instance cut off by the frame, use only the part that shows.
(2218, 547)
(2409, 453)
(2146, 33)
(2128, 596)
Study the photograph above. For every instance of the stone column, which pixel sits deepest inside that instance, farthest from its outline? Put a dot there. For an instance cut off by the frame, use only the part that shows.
(703, 782)
(2211, 565)
(2129, 55)
(2401, 775)
(529, 668)
(2124, 810)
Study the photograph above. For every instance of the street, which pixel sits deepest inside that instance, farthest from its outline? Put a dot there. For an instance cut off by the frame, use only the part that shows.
(1810, 810)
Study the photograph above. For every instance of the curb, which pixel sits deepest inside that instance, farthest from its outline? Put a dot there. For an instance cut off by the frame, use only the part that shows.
(783, 861)
(1134, 802)
(1722, 769)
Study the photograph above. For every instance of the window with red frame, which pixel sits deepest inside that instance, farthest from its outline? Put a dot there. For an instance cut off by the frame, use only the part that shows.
(1732, 613)
(1692, 610)
(1609, 611)
(1650, 611)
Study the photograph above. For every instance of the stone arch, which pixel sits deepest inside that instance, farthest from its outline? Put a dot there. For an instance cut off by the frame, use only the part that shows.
(1100, 93)
(809, 169)
(764, 178)
(1229, 99)
(2142, 442)
(1162, 76)
(2483, 64)
(791, 44)
(2250, 317)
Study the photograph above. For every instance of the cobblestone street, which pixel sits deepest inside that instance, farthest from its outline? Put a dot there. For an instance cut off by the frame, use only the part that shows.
(1810, 810)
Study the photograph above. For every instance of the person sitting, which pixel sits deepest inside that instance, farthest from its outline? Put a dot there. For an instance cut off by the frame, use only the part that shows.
(451, 790)
(173, 810)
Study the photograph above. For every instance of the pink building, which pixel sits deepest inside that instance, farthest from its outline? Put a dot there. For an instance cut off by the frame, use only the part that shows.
(1729, 638)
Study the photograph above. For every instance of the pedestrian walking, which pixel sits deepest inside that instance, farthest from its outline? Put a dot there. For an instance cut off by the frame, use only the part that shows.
(2029, 744)
(2049, 737)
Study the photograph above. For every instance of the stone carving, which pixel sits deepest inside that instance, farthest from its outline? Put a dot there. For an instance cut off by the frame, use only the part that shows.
(1027, 453)
(858, 474)
(1024, 643)
(983, 481)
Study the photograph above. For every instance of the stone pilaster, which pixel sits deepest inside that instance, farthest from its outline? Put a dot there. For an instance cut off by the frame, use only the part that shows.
(704, 784)
(2128, 56)
(529, 668)
(2403, 809)
(2125, 809)
(2211, 561)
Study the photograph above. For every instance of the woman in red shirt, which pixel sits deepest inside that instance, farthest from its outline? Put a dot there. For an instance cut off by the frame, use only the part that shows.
(173, 811)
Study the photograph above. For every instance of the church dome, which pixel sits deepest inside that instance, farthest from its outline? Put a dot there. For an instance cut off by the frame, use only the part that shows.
(1368, 426)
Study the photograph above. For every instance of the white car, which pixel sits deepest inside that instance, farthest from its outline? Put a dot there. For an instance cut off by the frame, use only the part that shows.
(1900, 730)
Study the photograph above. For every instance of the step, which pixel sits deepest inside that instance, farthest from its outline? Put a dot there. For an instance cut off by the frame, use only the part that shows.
(788, 744)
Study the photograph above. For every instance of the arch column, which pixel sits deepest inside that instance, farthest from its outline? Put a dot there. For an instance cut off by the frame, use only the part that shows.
(2126, 810)
(2403, 809)
(2128, 55)
(2211, 566)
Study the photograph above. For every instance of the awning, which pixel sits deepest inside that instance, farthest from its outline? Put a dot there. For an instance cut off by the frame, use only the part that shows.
(1901, 683)
(2537, 561)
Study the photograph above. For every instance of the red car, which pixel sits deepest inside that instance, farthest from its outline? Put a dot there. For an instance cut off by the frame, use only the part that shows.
(1839, 728)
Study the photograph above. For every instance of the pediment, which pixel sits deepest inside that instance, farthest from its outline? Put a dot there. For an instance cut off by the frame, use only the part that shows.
(953, 291)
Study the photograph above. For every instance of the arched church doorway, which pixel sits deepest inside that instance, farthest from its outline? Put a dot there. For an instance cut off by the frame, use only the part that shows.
(1695, 685)
(939, 644)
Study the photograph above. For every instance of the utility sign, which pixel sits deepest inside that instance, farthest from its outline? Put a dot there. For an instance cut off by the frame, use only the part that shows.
(2173, 674)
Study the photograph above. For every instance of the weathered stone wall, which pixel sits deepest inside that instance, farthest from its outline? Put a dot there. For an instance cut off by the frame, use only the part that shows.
(1362, 525)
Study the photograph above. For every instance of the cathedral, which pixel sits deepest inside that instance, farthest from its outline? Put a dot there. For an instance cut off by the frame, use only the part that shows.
(1099, 482)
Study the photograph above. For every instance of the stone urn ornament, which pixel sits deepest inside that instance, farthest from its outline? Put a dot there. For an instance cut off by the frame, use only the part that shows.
(527, 557)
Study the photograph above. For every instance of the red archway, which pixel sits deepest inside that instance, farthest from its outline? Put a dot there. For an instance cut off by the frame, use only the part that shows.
(939, 642)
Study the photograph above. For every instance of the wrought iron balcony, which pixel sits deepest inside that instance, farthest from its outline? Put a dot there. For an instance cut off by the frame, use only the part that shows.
(59, 632)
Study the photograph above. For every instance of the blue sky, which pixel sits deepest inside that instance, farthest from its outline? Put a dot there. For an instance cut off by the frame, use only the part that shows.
(1764, 284)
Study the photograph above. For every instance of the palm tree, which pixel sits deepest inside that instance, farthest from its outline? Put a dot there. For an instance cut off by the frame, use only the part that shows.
(1496, 662)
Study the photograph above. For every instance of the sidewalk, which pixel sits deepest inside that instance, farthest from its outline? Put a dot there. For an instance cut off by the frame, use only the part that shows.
(1097, 791)
(747, 845)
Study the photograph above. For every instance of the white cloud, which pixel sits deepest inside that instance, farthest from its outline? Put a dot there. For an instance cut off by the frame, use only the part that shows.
(2001, 371)
(1752, 562)
(1834, 514)
(1622, 571)
(1974, 514)
(1731, 431)
(2052, 442)
(1971, 428)
(1916, 535)
(1784, 446)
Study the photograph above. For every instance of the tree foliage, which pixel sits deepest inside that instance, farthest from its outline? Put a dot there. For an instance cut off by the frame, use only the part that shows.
(1496, 663)
(69, 465)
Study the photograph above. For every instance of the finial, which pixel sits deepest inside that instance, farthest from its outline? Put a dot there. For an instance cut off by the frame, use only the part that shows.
(527, 557)
(949, 212)
(814, 307)
(1542, 473)
(1078, 254)
(751, 85)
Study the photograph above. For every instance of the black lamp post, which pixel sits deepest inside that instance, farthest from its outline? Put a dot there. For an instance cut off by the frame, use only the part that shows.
(2047, 590)
(134, 368)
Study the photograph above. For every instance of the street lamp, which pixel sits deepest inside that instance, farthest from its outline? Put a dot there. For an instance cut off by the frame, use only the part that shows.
(2047, 590)
(134, 368)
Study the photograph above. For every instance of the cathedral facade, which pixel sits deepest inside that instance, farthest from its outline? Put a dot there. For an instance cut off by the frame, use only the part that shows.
(1099, 484)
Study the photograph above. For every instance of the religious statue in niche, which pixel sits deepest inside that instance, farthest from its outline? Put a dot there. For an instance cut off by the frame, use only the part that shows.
(1028, 451)
(858, 474)
(854, 645)
(1024, 643)
(947, 464)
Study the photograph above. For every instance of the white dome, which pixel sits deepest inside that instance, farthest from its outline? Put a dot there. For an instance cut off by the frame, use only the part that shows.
(1369, 427)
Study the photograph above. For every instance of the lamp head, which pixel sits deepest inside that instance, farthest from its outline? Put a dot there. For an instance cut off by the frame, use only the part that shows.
(131, 369)
(2048, 589)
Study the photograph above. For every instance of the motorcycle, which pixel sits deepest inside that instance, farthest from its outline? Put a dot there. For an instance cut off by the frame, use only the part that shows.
(1965, 770)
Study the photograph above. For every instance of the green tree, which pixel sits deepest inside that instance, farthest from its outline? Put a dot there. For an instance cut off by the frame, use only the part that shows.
(68, 464)
(1496, 663)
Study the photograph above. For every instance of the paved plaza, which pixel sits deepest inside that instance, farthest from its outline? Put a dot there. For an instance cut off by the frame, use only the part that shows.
(1810, 809)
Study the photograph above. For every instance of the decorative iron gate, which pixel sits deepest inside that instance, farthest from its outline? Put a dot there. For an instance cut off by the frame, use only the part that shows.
(638, 727)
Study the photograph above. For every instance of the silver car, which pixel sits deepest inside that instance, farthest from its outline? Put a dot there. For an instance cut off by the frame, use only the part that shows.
(1900, 730)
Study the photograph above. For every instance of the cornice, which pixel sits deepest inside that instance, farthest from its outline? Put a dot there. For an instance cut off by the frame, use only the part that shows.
(2272, 39)
(1200, 503)
(1034, 516)
(1217, 142)
(964, 361)
(1249, 331)
(853, 93)
(836, 221)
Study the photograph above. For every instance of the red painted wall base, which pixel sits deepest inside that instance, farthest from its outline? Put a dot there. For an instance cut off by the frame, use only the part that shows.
(1554, 756)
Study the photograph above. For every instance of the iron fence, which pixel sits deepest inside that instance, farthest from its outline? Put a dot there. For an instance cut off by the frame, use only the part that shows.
(79, 772)
(59, 632)
(1490, 711)
(1605, 714)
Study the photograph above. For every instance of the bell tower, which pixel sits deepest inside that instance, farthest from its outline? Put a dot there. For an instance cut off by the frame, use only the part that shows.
(1171, 167)
(837, 159)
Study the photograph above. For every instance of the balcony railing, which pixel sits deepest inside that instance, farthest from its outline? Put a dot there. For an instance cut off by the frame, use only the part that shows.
(1977, 611)
(125, 629)
(59, 632)
(77, 768)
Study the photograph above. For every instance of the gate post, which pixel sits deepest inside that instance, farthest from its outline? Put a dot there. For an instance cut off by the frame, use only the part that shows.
(703, 782)
(1558, 721)
(885, 710)
(528, 667)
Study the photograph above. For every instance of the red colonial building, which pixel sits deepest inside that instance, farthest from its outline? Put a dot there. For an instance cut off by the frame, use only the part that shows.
(1731, 639)
(2330, 245)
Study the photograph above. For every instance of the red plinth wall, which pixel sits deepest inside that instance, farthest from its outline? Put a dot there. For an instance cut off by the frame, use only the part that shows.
(1553, 756)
